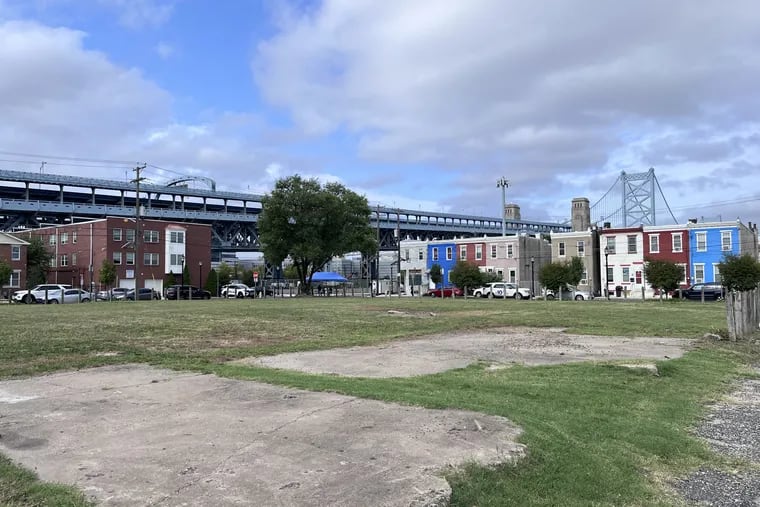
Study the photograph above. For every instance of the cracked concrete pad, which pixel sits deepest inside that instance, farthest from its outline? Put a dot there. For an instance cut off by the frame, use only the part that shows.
(434, 354)
(135, 435)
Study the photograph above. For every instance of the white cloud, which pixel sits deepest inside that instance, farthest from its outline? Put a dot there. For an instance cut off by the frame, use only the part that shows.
(137, 14)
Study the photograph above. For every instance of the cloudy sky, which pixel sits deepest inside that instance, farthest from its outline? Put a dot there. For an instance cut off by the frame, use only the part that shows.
(419, 104)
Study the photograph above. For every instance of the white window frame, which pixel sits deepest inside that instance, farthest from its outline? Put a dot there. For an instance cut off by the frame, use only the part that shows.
(64, 238)
(15, 252)
(435, 253)
(678, 235)
(53, 239)
(15, 280)
(725, 241)
(129, 259)
(116, 234)
(699, 267)
(581, 248)
(177, 237)
(716, 273)
(510, 251)
(478, 252)
(116, 258)
(626, 274)
(512, 276)
(494, 250)
(129, 235)
(633, 247)
(151, 259)
(53, 260)
(421, 254)
(151, 236)
(700, 238)
(463, 252)
(449, 253)
(684, 280)
(561, 248)
(74, 237)
(611, 245)
(654, 243)
(584, 277)
(64, 260)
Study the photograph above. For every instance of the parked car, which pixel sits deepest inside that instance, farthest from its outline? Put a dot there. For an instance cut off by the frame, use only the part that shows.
(568, 294)
(39, 294)
(713, 291)
(69, 296)
(143, 294)
(115, 294)
(446, 293)
(237, 290)
(502, 290)
(185, 292)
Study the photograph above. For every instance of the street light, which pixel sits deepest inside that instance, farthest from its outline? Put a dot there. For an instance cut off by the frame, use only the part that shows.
(200, 274)
(532, 277)
(503, 183)
(606, 272)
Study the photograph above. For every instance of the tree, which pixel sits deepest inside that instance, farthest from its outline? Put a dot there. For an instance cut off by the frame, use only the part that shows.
(290, 272)
(664, 276)
(311, 224)
(224, 274)
(37, 262)
(559, 275)
(107, 273)
(575, 269)
(186, 280)
(436, 276)
(5, 274)
(212, 282)
(465, 274)
(740, 273)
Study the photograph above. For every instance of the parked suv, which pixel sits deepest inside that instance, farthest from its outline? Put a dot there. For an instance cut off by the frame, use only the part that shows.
(183, 291)
(237, 290)
(40, 293)
(711, 291)
(502, 290)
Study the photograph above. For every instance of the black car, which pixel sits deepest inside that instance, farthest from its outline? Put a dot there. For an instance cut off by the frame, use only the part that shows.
(710, 290)
(186, 292)
(142, 295)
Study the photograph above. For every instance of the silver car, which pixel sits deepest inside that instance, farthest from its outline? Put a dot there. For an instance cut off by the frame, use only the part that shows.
(70, 296)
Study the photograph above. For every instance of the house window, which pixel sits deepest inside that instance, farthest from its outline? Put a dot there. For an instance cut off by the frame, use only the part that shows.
(610, 248)
(420, 254)
(150, 236)
(584, 277)
(177, 259)
(64, 260)
(74, 237)
(701, 242)
(610, 274)
(632, 244)
(626, 274)
(64, 238)
(561, 247)
(463, 252)
(15, 252)
(716, 274)
(15, 278)
(493, 251)
(52, 261)
(74, 259)
(699, 273)
(684, 270)
(638, 277)
(512, 276)
(53, 239)
(581, 249)
(130, 235)
(725, 241)
(406, 255)
(435, 254)
(116, 258)
(179, 237)
(510, 251)
(478, 252)
(116, 234)
(449, 253)
(654, 243)
(677, 242)
(150, 259)
(130, 258)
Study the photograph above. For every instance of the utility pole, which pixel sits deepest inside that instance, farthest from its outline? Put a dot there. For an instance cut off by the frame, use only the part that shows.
(137, 181)
(398, 244)
(503, 183)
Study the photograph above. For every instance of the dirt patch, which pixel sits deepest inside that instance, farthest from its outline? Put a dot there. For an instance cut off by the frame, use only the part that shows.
(434, 354)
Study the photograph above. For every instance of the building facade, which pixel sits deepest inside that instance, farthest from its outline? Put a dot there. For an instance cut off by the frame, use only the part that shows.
(622, 255)
(669, 243)
(13, 252)
(710, 242)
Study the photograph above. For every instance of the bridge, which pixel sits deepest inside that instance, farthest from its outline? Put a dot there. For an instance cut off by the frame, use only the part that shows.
(31, 200)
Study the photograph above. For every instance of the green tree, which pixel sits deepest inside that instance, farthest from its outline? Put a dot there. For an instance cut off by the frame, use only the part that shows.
(211, 282)
(186, 280)
(248, 277)
(465, 274)
(5, 274)
(290, 272)
(170, 279)
(553, 276)
(436, 275)
(740, 273)
(224, 274)
(664, 276)
(107, 273)
(574, 271)
(37, 262)
(311, 224)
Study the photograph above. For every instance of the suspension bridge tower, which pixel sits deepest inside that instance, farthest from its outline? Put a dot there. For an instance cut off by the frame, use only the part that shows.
(632, 201)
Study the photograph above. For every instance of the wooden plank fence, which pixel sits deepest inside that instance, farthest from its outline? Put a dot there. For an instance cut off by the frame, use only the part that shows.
(743, 313)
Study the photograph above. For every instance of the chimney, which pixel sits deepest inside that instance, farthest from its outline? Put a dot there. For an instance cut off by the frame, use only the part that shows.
(512, 212)
(580, 214)
(692, 220)
(607, 225)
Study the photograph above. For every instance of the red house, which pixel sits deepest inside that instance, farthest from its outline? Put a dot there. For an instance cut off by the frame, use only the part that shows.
(668, 243)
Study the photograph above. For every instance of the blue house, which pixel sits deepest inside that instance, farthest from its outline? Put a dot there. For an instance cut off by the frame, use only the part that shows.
(711, 242)
(445, 255)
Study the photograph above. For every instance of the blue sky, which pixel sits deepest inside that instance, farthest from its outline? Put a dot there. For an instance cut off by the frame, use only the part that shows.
(415, 104)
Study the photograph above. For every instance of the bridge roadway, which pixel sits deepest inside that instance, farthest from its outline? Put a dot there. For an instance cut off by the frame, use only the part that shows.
(32, 199)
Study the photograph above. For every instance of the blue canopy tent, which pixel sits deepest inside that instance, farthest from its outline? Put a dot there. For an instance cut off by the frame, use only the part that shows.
(327, 276)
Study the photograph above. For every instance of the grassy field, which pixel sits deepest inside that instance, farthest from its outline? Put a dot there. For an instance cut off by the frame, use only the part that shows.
(597, 434)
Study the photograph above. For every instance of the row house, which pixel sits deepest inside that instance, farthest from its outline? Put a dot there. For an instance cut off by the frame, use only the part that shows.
(79, 250)
(13, 253)
(710, 242)
(622, 255)
(583, 244)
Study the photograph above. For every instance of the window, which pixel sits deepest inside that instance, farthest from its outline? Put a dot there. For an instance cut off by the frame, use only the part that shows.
(725, 241)
(463, 252)
(610, 248)
(435, 254)
(177, 259)
(683, 268)
(64, 260)
(406, 255)
(116, 258)
(15, 278)
(701, 241)
(130, 235)
(584, 277)
(74, 259)
(716, 274)
(74, 237)
(150, 236)
(130, 258)
(150, 259)
(512, 276)
(53, 239)
(610, 275)
(632, 244)
(179, 237)
(116, 234)
(677, 242)
(449, 253)
(52, 261)
(478, 252)
(561, 247)
(639, 278)
(626, 274)
(581, 249)
(654, 243)
(510, 251)
(15, 252)
(493, 251)
(421, 254)
(64, 238)
(699, 273)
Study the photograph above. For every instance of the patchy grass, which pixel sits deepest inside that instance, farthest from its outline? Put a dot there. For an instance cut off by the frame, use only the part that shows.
(597, 434)
(19, 487)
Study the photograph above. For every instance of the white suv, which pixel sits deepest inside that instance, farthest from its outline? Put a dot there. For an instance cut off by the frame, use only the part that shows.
(502, 290)
(237, 290)
(39, 293)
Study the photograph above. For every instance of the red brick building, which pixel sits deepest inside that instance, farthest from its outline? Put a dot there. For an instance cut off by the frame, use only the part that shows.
(13, 252)
(80, 249)
(668, 243)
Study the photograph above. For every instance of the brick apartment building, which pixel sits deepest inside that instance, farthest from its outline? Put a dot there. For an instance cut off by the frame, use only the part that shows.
(13, 252)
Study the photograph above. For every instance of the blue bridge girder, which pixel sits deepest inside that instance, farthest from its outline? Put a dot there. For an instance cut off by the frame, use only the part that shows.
(29, 200)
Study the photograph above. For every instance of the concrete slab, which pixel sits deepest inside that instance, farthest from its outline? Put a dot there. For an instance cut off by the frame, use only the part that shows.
(434, 354)
(135, 435)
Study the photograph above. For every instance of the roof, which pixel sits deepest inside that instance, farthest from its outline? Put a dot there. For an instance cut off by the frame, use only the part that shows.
(10, 239)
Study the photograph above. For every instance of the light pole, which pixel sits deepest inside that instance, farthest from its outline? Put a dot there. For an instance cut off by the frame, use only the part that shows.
(503, 183)
(532, 277)
(200, 274)
(606, 272)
